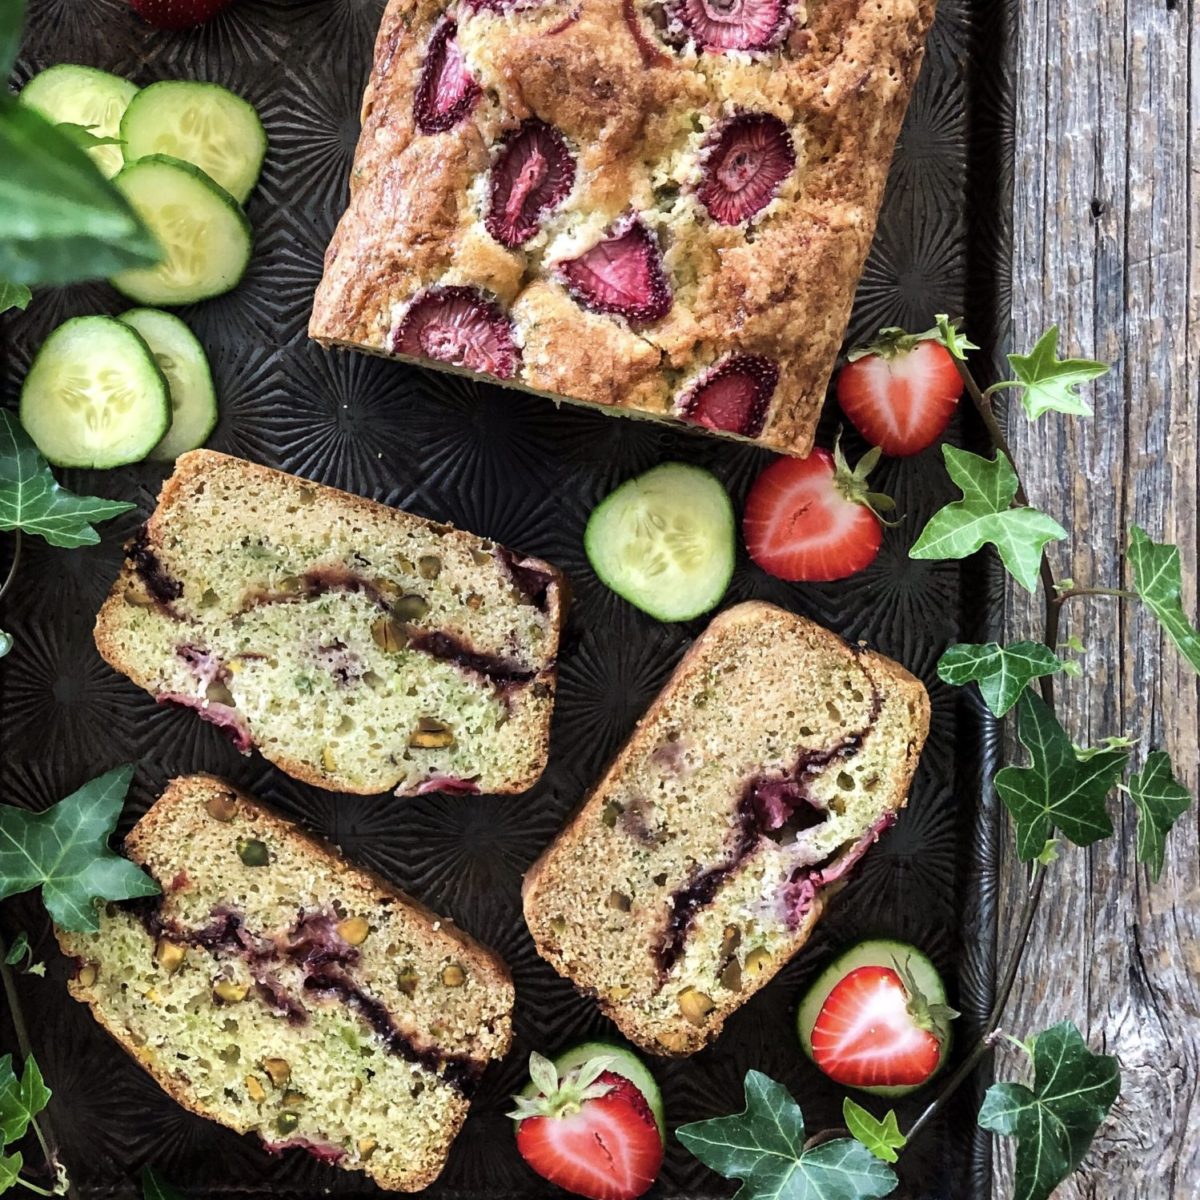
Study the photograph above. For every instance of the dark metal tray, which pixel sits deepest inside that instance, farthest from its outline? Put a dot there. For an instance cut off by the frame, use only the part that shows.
(512, 467)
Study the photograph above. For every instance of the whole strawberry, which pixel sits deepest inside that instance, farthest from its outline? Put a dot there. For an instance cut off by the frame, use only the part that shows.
(178, 14)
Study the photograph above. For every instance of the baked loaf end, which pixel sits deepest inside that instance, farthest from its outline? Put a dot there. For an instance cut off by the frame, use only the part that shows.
(773, 758)
(280, 991)
(360, 648)
(661, 207)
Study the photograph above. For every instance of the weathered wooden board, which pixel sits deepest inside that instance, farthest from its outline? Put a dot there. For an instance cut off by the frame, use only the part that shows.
(1107, 245)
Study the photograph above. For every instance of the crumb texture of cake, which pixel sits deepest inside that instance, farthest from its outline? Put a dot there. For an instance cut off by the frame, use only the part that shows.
(624, 202)
(772, 760)
(276, 989)
(358, 647)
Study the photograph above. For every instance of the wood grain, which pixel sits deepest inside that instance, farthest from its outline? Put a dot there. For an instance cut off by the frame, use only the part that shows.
(1107, 219)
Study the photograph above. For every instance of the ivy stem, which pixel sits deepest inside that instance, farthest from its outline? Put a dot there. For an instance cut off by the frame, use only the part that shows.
(16, 562)
(43, 1129)
(983, 1047)
(1075, 592)
(33, 1187)
(983, 406)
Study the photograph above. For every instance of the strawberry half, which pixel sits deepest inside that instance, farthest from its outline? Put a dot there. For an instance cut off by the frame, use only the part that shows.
(446, 91)
(178, 14)
(877, 1030)
(461, 326)
(589, 1131)
(531, 176)
(623, 273)
(743, 168)
(733, 395)
(901, 391)
(724, 25)
(814, 518)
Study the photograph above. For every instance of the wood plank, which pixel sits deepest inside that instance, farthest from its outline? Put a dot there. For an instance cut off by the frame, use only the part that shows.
(1107, 216)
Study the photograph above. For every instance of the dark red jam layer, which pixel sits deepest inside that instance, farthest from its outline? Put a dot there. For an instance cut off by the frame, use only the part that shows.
(768, 803)
(146, 565)
(314, 945)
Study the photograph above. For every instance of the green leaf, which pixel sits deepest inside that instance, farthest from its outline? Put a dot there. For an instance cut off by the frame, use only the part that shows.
(893, 341)
(10, 1168)
(18, 949)
(1050, 384)
(12, 21)
(1048, 853)
(1055, 1121)
(6, 642)
(1158, 579)
(155, 1187)
(985, 514)
(31, 499)
(84, 138)
(1057, 790)
(1161, 800)
(1002, 672)
(64, 851)
(20, 1099)
(949, 335)
(63, 221)
(882, 1138)
(764, 1148)
(14, 295)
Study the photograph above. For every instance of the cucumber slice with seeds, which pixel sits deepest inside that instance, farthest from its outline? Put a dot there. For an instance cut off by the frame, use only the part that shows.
(183, 362)
(83, 96)
(200, 123)
(94, 396)
(204, 234)
(665, 541)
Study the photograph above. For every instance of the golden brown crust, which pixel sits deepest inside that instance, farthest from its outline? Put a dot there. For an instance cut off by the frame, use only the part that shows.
(554, 866)
(194, 791)
(637, 118)
(195, 465)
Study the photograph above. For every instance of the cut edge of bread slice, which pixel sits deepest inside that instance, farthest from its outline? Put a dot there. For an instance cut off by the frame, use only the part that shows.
(551, 876)
(203, 791)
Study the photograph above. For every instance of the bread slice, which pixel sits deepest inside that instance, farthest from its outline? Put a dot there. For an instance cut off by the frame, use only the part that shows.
(360, 648)
(276, 989)
(773, 758)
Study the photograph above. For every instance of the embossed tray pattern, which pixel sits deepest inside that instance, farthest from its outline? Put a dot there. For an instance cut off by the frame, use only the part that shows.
(507, 466)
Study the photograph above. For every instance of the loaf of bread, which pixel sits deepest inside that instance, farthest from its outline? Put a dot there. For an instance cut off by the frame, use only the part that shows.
(358, 647)
(280, 991)
(771, 761)
(661, 207)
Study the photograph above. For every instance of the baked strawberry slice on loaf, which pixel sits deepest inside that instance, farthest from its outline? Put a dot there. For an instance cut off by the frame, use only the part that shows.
(278, 990)
(358, 647)
(775, 756)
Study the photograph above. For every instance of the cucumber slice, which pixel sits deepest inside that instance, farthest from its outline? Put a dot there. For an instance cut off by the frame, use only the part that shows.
(200, 123)
(665, 541)
(94, 396)
(203, 232)
(879, 952)
(627, 1065)
(83, 96)
(184, 364)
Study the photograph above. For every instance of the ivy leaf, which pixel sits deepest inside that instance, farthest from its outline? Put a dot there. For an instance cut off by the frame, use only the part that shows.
(155, 1187)
(14, 295)
(31, 500)
(65, 852)
(10, 1168)
(764, 1148)
(63, 221)
(882, 1138)
(1055, 1121)
(1002, 672)
(6, 642)
(1161, 800)
(952, 338)
(985, 514)
(1048, 383)
(1057, 790)
(1158, 579)
(20, 1099)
